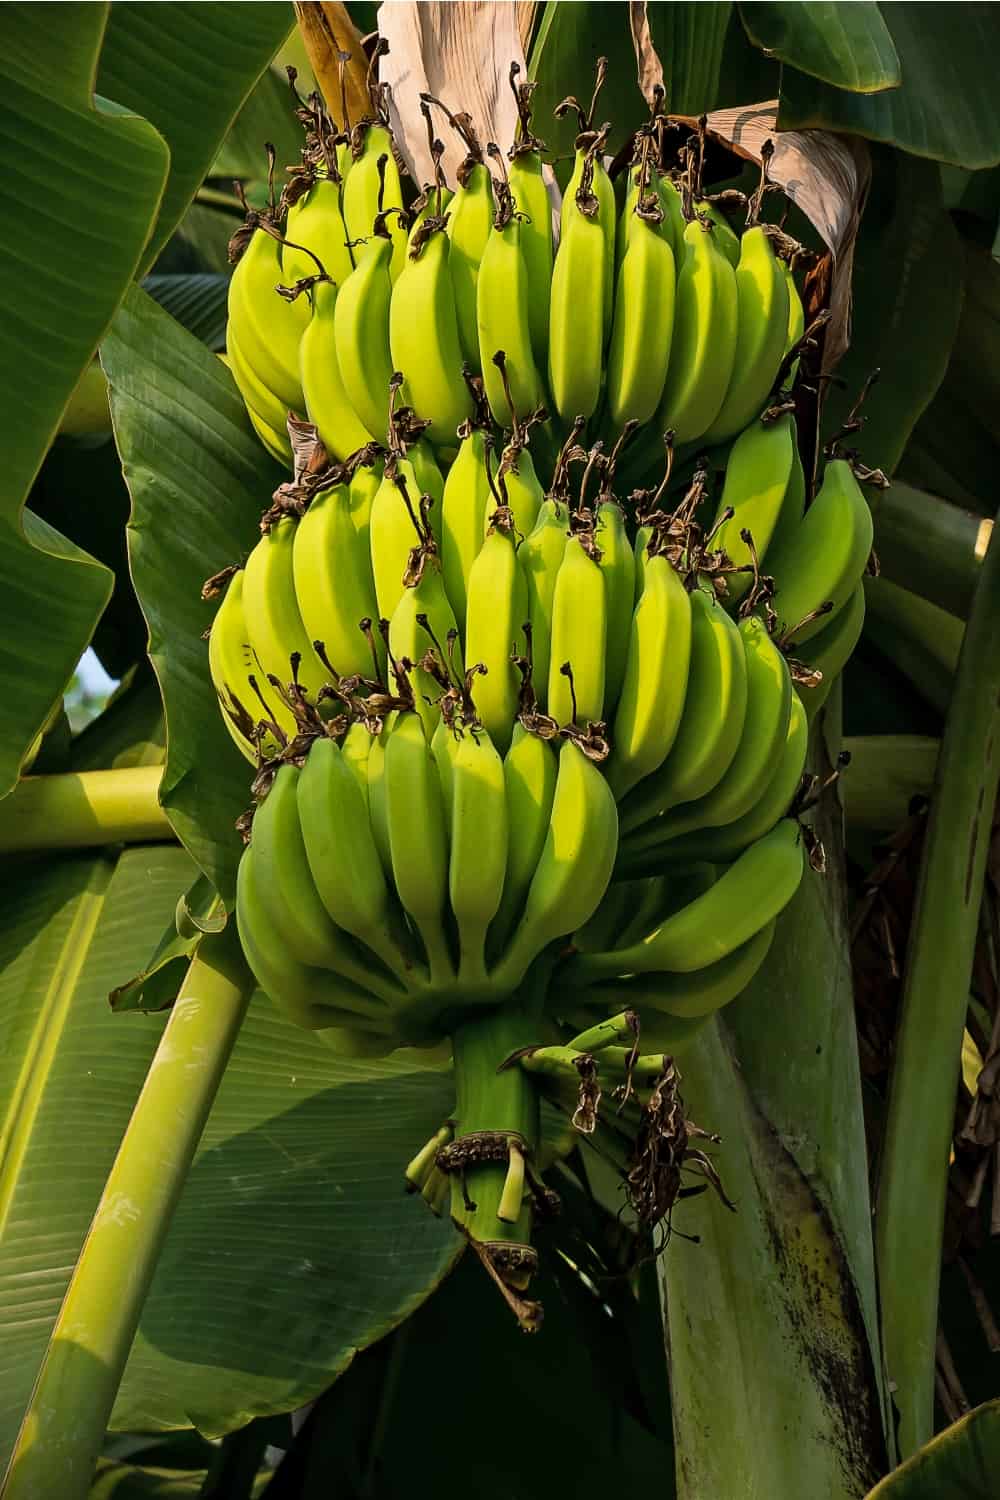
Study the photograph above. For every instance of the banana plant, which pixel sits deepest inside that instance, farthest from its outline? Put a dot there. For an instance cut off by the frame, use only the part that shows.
(271, 1261)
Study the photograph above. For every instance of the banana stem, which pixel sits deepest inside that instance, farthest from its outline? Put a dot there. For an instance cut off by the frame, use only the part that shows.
(63, 1427)
(932, 547)
(886, 772)
(909, 1220)
(83, 809)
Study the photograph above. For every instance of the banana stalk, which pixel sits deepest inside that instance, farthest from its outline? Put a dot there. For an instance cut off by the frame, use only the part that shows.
(82, 809)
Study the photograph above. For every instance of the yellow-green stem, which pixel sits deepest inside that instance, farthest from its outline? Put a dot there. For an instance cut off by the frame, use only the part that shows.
(84, 808)
(63, 1427)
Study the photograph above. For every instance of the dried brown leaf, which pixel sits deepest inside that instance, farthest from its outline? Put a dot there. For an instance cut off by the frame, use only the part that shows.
(326, 30)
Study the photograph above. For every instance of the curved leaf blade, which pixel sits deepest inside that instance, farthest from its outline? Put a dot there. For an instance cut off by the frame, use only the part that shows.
(70, 242)
(959, 1464)
(199, 480)
(944, 55)
(847, 45)
(188, 68)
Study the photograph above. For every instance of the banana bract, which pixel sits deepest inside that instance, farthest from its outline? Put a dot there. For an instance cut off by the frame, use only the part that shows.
(527, 700)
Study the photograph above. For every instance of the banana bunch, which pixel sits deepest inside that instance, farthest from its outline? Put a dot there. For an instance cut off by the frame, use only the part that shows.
(529, 731)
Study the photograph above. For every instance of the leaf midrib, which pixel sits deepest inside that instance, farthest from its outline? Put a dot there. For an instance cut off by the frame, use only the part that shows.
(46, 1034)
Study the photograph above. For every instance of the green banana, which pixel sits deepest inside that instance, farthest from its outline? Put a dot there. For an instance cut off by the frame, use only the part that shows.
(531, 200)
(618, 569)
(231, 663)
(656, 678)
(327, 401)
(470, 222)
(265, 411)
(758, 476)
(431, 204)
(495, 615)
(368, 194)
(423, 338)
(728, 240)
(712, 720)
(316, 222)
(478, 855)
(364, 485)
(765, 730)
(829, 651)
(361, 336)
(824, 559)
(689, 995)
(266, 327)
(574, 868)
(274, 622)
(424, 604)
(333, 581)
(579, 638)
(502, 318)
(312, 998)
(642, 329)
(418, 839)
(581, 284)
(468, 501)
(429, 480)
(344, 862)
(541, 554)
(355, 749)
(520, 488)
(395, 529)
(762, 324)
(703, 350)
(745, 898)
(377, 804)
(530, 768)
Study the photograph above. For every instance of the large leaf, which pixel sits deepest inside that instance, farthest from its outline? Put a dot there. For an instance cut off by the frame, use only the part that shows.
(197, 302)
(294, 1244)
(907, 304)
(69, 1072)
(683, 45)
(848, 45)
(188, 68)
(959, 1464)
(94, 219)
(945, 106)
(199, 480)
(267, 116)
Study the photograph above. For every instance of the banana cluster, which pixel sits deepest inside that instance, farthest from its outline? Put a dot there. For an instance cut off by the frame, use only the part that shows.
(529, 723)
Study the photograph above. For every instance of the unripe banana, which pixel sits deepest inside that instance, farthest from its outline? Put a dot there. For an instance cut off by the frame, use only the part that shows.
(470, 221)
(496, 612)
(728, 240)
(762, 318)
(712, 721)
(793, 505)
(343, 860)
(541, 554)
(530, 768)
(327, 401)
(291, 902)
(503, 323)
(796, 316)
(656, 678)
(266, 327)
(642, 330)
(521, 490)
(674, 223)
(274, 622)
(364, 487)
(316, 222)
(746, 897)
(468, 500)
(394, 531)
(433, 206)
(312, 998)
(266, 412)
(418, 840)
(574, 868)
(758, 476)
(642, 539)
(410, 638)
(579, 637)
(581, 285)
(722, 845)
(423, 337)
(428, 479)
(531, 199)
(704, 341)
(232, 662)
(355, 749)
(361, 334)
(364, 196)
(690, 995)
(765, 730)
(825, 558)
(378, 810)
(444, 747)
(333, 581)
(478, 857)
(830, 649)
(618, 568)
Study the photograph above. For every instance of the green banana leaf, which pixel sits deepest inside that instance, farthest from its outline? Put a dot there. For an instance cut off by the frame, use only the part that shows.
(847, 45)
(945, 105)
(188, 68)
(907, 305)
(689, 40)
(268, 114)
(199, 480)
(786, 1283)
(961, 1463)
(198, 302)
(69, 1071)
